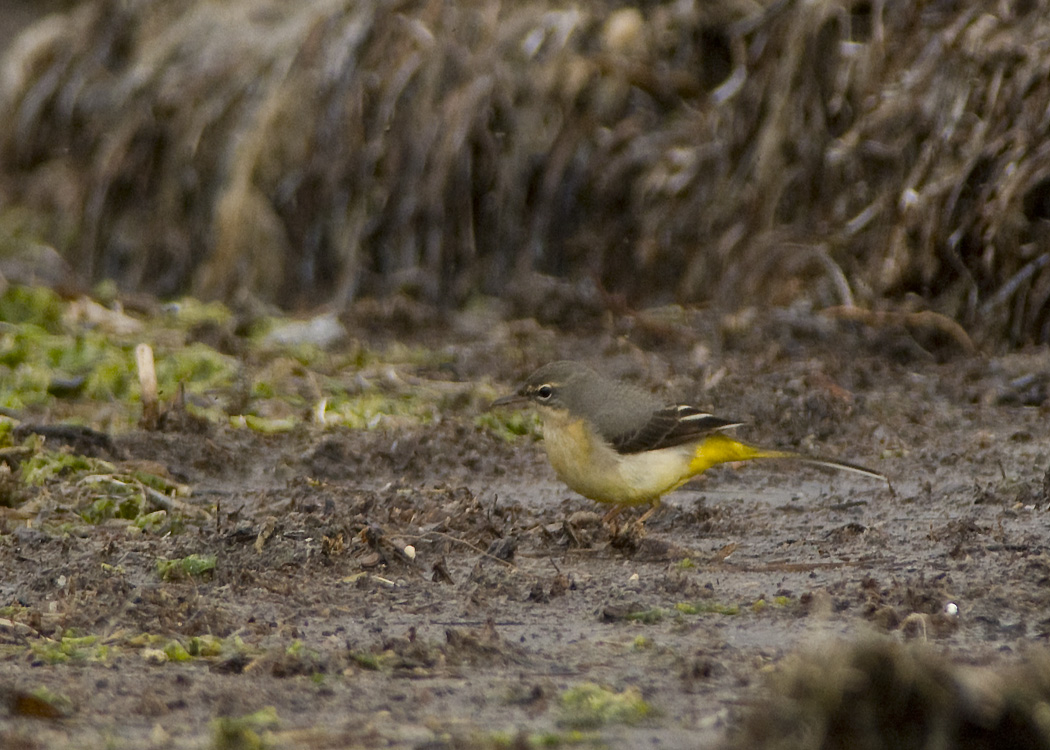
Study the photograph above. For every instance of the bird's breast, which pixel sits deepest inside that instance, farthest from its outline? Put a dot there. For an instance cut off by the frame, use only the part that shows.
(592, 467)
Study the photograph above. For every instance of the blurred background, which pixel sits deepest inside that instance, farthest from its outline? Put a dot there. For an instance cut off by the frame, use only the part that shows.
(874, 158)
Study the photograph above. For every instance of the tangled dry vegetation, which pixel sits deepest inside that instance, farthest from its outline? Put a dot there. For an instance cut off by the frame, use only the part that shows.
(881, 154)
(877, 694)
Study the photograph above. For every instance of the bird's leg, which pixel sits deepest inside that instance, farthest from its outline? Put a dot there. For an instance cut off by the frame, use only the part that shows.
(609, 520)
(649, 513)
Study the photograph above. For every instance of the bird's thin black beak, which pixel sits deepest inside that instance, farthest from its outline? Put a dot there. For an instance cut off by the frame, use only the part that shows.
(514, 399)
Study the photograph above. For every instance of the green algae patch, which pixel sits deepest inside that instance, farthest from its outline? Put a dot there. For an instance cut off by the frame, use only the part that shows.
(176, 652)
(366, 411)
(182, 568)
(196, 647)
(590, 706)
(265, 425)
(205, 646)
(44, 466)
(36, 305)
(69, 648)
(40, 703)
(83, 350)
(113, 498)
(81, 354)
(707, 608)
(97, 490)
(536, 740)
(646, 616)
(383, 661)
(187, 313)
(198, 366)
(510, 424)
(248, 732)
(159, 483)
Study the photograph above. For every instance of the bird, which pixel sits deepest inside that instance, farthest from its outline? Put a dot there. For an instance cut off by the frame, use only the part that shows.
(618, 444)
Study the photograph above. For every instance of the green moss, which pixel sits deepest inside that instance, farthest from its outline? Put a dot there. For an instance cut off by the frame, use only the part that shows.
(264, 389)
(369, 410)
(205, 646)
(175, 651)
(509, 424)
(191, 566)
(68, 648)
(365, 660)
(103, 508)
(40, 349)
(43, 466)
(37, 357)
(188, 313)
(36, 305)
(538, 740)
(589, 706)
(156, 522)
(381, 662)
(646, 616)
(106, 292)
(112, 377)
(58, 701)
(199, 367)
(158, 483)
(777, 601)
(47, 354)
(707, 608)
(245, 732)
(265, 425)
(102, 491)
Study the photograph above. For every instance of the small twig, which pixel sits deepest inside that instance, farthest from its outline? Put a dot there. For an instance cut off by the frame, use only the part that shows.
(171, 504)
(467, 544)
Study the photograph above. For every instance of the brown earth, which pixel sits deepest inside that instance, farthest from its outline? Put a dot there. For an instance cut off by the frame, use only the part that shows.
(516, 591)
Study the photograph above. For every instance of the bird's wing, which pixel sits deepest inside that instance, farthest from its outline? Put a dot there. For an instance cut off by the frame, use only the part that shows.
(668, 427)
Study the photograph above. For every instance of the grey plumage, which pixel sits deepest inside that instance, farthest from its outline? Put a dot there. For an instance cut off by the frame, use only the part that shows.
(616, 409)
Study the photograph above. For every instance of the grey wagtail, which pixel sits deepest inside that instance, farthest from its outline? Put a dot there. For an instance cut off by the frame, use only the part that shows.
(615, 443)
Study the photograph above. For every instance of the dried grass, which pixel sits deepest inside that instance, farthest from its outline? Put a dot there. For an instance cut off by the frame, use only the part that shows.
(887, 154)
(879, 694)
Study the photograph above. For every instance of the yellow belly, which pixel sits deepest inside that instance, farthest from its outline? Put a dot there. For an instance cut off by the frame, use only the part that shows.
(595, 470)
(591, 467)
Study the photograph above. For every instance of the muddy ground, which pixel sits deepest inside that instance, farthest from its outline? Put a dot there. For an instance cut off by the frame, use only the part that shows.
(322, 633)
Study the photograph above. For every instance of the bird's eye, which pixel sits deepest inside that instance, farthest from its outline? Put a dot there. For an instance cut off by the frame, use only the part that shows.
(544, 392)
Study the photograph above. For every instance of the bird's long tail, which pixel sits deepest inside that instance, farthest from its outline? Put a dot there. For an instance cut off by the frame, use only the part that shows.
(719, 449)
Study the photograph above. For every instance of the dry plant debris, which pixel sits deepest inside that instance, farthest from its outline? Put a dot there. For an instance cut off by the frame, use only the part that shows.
(888, 155)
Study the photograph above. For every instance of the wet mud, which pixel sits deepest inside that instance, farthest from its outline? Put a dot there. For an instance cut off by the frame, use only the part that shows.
(433, 585)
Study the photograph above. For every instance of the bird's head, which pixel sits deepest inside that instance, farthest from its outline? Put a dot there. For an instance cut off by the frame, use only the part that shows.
(555, 385)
